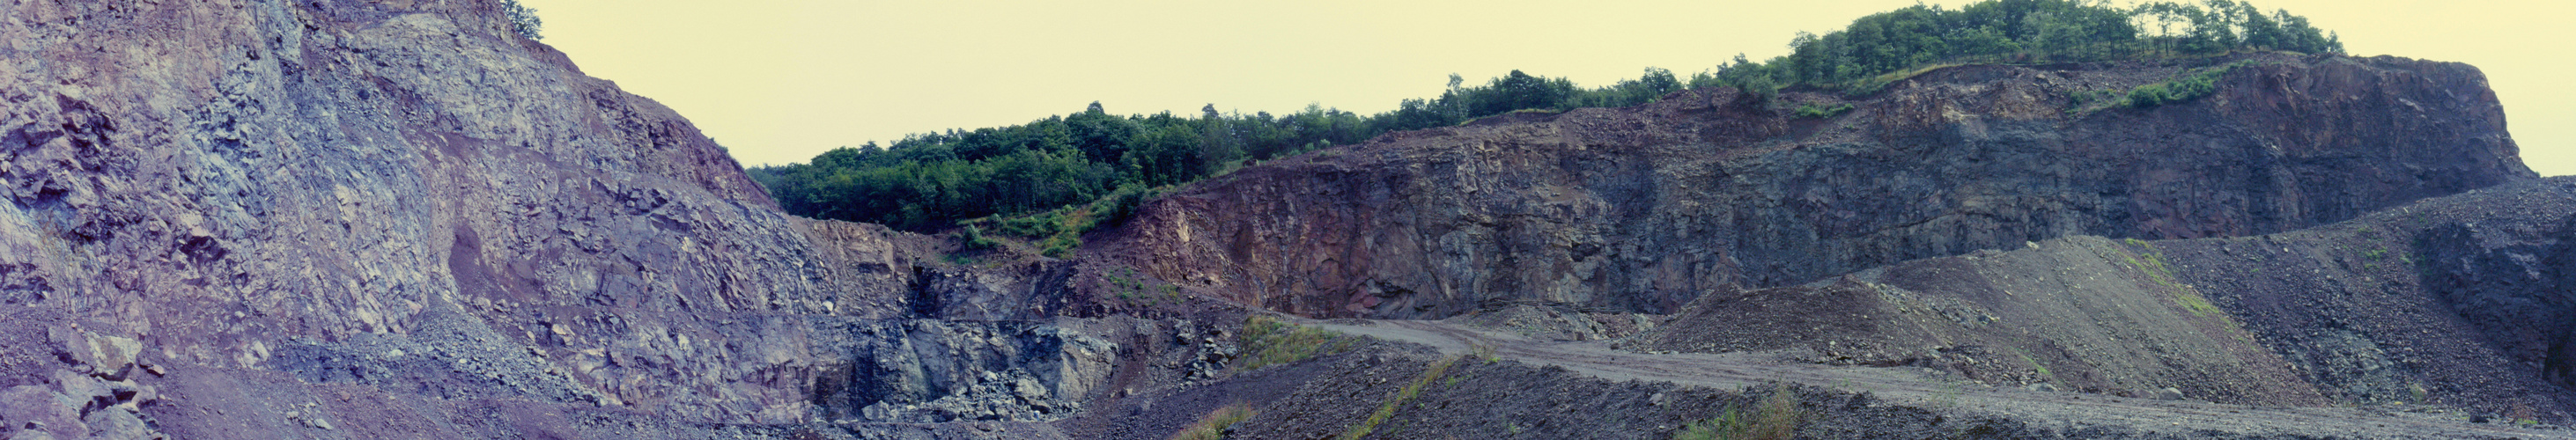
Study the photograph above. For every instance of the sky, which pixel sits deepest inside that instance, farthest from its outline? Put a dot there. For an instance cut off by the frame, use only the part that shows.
(779, 81)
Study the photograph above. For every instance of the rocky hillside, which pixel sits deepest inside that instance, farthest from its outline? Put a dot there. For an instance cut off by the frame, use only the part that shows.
(1642, 209)
(399, 219)
(2459, 301)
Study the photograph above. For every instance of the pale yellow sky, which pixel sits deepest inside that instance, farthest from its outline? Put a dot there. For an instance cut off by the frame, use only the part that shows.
(780, 81)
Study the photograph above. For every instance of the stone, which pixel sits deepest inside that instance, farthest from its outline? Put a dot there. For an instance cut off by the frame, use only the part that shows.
(2168, 393)
(50, 412)
(117, 424)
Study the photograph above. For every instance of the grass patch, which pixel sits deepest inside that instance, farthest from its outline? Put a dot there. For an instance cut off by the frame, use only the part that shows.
(2034, 363)
(1214, 425)
(2191, 84)
(1865, 86)
(2147, 259)
(1132, 287)
(1387, 411)
(1484, 352)
(1775, 417)
(2183, 87)
(1813, 111)
(1266, 341)
(1058, 232)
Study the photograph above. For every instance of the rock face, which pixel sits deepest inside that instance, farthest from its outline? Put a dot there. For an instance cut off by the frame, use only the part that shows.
(444, 230)
(1644, 208)
(221, 179)
(929, 371)
(398, 219)
(2459, 301)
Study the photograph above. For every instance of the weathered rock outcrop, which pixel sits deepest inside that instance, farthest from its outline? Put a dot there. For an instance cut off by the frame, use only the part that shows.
(2460, 301)
(1644, 208)
(395, 219)
(221, 179)
(398, 219)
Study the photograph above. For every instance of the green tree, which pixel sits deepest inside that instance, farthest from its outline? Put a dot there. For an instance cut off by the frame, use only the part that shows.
(523, 20)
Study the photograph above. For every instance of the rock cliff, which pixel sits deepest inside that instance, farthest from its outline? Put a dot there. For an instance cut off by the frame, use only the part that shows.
(1643, 209)
(398, 219)
(393, 219)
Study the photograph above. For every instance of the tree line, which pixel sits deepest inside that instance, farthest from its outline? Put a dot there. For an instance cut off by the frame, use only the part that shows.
(2019, 31)
(1102, 164)
(930, 181)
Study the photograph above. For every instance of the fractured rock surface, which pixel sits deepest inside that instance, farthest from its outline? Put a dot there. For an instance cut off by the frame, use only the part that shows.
(398, 219)
(1642, 209)
(386, 219)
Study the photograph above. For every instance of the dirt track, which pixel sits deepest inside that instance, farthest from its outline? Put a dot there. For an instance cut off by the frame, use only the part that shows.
(1918, 388)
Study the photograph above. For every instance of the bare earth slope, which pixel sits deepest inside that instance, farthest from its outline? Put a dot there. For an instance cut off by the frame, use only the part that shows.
(1840, 402)
(2459, 301)
(1645, 208)
(261, 219)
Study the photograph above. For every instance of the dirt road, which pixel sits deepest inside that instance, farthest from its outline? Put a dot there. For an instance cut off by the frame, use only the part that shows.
(1922, 388)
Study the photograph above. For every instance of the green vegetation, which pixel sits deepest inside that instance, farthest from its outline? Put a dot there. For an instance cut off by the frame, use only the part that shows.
(975, 240)
(1387, 411)
(2034, 363)
(1214, 425)
(1267, 342)
(1062, 164)
(1776, 417)
(2147, 260)
(1813, 111)
(1109, 164)
(1889, 46)
(1131, 287)
(523, 19)
(2189, 86)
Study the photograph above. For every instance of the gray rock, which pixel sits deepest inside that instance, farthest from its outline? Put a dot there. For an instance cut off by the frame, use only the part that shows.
(52, 413)
(2168, 393)
(118, 424)
(1642, 209)
(924, 371)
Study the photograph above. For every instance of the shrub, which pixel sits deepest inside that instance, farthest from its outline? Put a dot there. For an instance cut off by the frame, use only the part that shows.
(1823, 111)
(1115, 208)
(1266, 341)
(2190, 85)
(975, 240)
(1060, 245)
(1214, 425)
(1775, 417)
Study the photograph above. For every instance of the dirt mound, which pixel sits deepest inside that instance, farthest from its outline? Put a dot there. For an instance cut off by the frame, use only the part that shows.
(2083, 314)
(1557, 323)
(2457, 301)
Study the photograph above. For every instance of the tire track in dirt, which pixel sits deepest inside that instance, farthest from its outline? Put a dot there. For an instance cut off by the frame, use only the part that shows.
(1923, 388)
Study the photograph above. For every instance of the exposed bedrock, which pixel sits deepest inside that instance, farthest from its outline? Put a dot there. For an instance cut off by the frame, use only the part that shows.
(1645, 208)
(2461, 301)
(399, 218)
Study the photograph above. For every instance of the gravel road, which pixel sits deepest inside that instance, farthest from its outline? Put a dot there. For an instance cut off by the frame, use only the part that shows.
(1923, 388)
